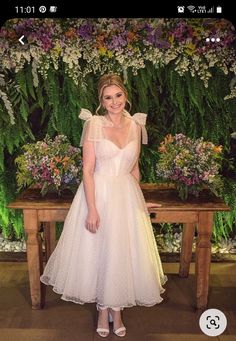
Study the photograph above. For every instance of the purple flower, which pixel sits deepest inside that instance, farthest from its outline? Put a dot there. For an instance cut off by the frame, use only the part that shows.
(67, 178)
(155, 37)
(118, 41)
(86, 31)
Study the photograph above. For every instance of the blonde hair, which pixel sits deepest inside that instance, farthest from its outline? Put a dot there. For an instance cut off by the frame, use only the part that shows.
(108, 80)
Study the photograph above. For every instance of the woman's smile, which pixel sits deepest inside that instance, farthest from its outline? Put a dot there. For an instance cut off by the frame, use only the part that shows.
(113, 99)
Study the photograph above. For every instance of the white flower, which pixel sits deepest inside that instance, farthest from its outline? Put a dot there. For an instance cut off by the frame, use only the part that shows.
(8, 106)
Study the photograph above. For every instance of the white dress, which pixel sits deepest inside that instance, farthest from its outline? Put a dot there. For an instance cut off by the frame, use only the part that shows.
(119, 265)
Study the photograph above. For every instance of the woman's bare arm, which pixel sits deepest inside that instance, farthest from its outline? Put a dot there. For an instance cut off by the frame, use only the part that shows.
(135, 171)
(92, 220)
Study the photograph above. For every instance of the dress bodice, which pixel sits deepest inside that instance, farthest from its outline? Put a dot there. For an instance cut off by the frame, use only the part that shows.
(111, 160)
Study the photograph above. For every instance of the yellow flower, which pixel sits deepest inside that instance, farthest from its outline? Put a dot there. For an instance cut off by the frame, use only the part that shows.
(57, 50)
(102, 51)
(65, 160)
(109, 54)
(169, 139)
(218, 149)
(162, 149)
(171, 39)
(190, 48)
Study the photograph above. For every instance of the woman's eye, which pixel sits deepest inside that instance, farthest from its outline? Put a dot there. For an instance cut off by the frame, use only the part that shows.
(109, 97)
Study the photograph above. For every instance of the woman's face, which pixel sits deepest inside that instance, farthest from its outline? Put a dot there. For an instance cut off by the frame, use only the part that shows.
(113, 99)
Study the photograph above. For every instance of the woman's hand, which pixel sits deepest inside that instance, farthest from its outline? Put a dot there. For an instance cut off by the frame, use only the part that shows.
(152, 205)
(92, 221)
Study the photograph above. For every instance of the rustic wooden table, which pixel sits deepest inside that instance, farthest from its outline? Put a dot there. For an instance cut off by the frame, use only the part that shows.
(194, 213)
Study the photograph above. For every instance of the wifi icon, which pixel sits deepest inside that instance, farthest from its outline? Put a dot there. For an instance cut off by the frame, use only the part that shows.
(191, 9)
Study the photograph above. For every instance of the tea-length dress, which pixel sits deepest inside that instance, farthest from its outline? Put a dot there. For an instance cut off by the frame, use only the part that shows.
(119, 265)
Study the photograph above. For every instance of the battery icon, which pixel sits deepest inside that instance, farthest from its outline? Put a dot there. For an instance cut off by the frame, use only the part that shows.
(218, 9)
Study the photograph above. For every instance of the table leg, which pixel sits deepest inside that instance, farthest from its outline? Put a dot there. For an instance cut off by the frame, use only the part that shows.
(203, 257)
(50, 238)
(186, 249)
(34, 258)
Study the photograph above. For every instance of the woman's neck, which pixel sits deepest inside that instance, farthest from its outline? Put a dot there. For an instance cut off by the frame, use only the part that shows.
(117, 120)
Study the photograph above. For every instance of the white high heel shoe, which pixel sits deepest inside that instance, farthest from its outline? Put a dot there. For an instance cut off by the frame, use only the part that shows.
(103, 332)
(120, 330)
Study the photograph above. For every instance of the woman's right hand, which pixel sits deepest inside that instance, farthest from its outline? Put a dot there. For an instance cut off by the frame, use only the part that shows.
(92, 221)
(152, 205)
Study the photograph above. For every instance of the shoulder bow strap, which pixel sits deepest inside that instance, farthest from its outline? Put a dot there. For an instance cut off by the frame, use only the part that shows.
(140, 118)
(85, 114)
(92, 127)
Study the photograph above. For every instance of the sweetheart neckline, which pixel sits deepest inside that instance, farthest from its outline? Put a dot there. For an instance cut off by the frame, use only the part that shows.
(117, 146)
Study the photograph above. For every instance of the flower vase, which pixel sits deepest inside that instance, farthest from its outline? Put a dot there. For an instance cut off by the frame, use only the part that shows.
(184, 191)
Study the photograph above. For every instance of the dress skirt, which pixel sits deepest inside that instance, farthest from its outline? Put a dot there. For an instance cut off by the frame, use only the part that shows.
(119, 265)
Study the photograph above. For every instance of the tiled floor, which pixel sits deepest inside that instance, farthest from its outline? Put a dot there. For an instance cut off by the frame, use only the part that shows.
(175, 319)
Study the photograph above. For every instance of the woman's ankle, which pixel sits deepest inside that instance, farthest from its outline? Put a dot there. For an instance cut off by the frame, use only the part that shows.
(101, 308)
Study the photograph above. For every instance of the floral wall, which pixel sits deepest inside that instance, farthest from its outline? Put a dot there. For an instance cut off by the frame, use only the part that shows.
(185, 83)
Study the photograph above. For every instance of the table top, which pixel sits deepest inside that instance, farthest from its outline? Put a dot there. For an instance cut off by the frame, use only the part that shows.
(154, 193)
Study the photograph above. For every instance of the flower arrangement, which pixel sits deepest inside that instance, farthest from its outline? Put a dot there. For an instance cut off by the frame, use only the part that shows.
(51, 165)
(191, 164)
(100, 45)
(89, 45)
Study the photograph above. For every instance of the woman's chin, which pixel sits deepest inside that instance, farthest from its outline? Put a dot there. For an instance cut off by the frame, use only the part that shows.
(115, 111)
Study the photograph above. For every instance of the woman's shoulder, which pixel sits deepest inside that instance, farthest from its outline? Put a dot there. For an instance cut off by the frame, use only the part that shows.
(87, 116)
(140, 120)
(92, 127)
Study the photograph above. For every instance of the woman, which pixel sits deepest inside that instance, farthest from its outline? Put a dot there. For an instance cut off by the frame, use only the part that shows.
(107, 252)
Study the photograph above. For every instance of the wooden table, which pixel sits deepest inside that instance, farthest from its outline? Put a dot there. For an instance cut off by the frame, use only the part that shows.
(194, 213)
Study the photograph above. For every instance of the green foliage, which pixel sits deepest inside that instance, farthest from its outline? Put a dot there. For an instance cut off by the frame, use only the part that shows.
(147, 164)
(11, 222)
(225, 222)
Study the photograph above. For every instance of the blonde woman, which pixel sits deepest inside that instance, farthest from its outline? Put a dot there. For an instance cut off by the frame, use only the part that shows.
(107, 252)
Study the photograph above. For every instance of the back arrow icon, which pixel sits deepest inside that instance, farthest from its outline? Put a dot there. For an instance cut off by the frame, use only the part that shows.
(21, 40)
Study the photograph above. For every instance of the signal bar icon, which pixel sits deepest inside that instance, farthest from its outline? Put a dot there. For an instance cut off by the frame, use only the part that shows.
(211, 10)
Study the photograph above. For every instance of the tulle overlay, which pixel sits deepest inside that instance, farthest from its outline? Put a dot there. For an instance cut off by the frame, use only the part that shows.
(119, 265)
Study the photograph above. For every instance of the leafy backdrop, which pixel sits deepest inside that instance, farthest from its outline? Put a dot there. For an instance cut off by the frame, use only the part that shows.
(184, 83)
